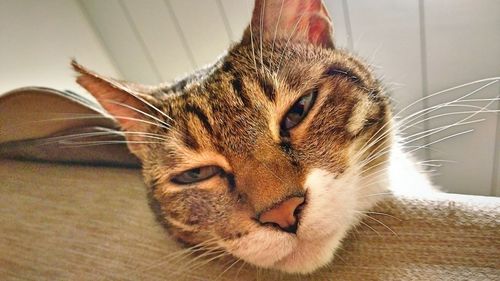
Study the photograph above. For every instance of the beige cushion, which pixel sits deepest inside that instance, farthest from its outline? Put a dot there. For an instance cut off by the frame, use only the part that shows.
(61, 222)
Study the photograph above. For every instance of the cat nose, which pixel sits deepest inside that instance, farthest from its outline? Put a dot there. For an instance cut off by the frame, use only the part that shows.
(284, 214)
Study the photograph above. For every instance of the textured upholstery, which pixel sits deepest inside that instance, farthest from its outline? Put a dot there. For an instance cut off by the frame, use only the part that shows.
(61, 222)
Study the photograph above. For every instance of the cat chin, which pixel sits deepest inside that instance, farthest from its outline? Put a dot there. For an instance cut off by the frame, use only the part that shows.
(309, 256)
(262, 247)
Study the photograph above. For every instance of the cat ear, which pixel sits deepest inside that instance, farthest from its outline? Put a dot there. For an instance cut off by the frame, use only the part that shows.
(296, 20)
(124, 101)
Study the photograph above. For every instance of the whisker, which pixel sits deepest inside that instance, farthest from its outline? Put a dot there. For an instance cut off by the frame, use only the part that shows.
(494, 79)
(367, 225)
(436, 160)
(94, 143)
(417, 114)
(378, 221)
(384, 214)
(226, 270)
(97, 116)
(446, 114)
(151, 106)
(253, 48)
(442, 139)
(288, 41)
(430, 132)
(276, 29)
(445, 104)
(271, 171)
(184, 253)
(377, 194)
(239, 269)
(139, 111)
(261, 35)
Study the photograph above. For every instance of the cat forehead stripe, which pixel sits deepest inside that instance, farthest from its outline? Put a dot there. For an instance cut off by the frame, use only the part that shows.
(239, 89)
(201, 115)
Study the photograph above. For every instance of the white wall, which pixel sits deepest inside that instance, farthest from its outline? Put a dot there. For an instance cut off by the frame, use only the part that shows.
(38, 39)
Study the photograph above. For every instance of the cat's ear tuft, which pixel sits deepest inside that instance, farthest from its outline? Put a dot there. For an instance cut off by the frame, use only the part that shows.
(124, 102)
(304, 21)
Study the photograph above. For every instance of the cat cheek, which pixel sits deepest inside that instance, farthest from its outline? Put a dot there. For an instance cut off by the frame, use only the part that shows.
(331, 204)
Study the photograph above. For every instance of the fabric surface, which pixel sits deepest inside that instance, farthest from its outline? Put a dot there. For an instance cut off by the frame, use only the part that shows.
(61, 222)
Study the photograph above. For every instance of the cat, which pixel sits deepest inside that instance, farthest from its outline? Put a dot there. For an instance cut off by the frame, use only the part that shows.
(275, 151)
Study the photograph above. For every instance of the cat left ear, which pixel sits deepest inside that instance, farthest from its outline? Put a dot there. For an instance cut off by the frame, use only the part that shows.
(304, 21)
(124, 101)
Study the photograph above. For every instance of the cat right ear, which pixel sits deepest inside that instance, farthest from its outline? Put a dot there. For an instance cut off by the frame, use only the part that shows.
(125, 103)
(305, 21)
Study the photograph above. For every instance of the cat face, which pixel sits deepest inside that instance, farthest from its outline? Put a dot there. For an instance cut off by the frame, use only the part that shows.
(268, 153)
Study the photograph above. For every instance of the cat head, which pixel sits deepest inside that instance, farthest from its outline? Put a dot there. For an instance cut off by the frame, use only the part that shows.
(267, 153)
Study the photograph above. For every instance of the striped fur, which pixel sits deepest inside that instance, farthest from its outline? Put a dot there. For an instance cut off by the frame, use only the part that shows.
(229, 115)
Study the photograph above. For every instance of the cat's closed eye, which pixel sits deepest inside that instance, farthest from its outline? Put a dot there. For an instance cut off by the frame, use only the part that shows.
(196, 175)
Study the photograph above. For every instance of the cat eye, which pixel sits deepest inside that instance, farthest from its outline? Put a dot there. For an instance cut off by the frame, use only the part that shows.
(197, 175)
(298, 111)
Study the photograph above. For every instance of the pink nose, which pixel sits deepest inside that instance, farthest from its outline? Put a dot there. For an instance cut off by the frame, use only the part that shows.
(284, 214)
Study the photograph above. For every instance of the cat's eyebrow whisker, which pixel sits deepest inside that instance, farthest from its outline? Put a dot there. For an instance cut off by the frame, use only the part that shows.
(276, 29)
(288, 41)
(253, 49)
(261, 27)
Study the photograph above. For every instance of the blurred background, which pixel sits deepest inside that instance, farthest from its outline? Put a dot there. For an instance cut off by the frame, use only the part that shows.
(417, 47)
